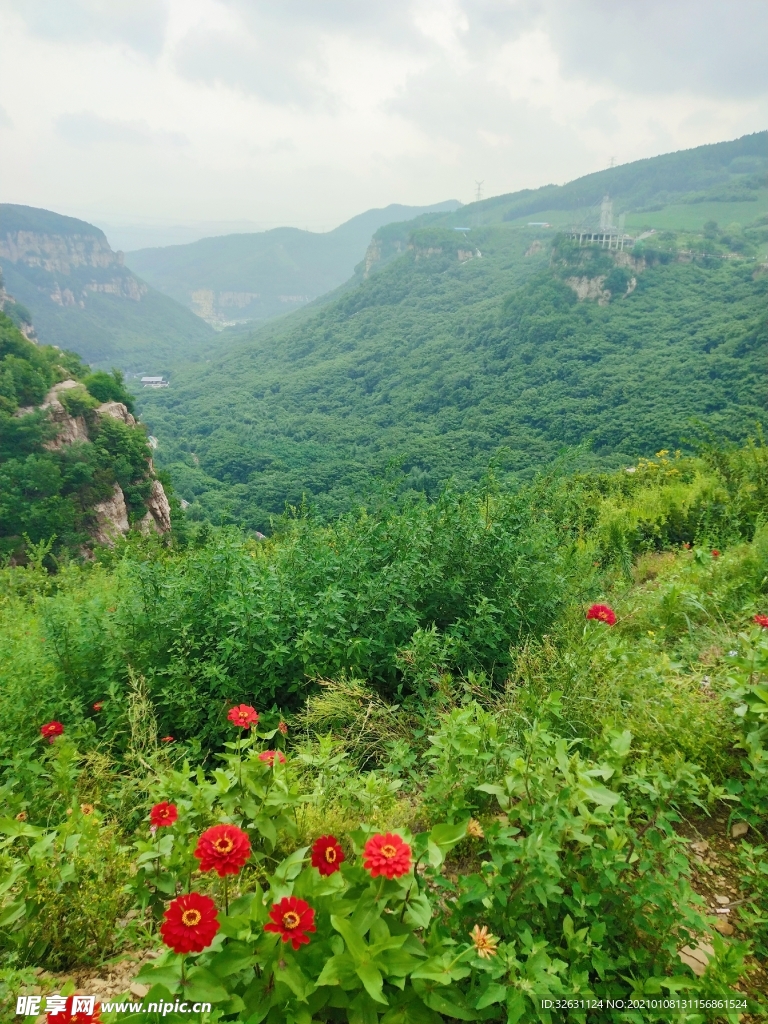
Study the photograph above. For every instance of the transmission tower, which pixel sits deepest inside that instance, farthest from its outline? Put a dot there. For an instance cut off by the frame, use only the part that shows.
(478, 191)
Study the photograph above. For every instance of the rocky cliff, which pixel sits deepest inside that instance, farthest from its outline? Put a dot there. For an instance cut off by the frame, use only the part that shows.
(66, 260)
(82, 297)
(111, 514)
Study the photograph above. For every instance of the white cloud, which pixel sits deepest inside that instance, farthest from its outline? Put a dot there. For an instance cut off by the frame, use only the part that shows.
(307, 113)
(137, 24)
(88, 129)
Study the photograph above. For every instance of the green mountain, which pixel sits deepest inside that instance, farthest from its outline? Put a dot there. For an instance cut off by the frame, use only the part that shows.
(241, 277)
(502, 336)
(82, 297)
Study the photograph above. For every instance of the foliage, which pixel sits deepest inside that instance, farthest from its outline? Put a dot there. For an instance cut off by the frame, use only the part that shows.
(47, 493)
(64, 887)
(432, 368)
(271, 272)
(544, 768)
(109, 387)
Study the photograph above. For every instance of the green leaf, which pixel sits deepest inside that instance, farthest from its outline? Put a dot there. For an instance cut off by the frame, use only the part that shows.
(291, 975)
(355, 944)
(600, 795)
(11, 827)
(169, 975)
(330, 974)
(288, 869)
(202, 985)
(516, 1006)
(419, 911)
(495, 993)
(236, 956)
(412, 1012)
(447, 836)
(435, 1000)
(373, 981)
(266, 828)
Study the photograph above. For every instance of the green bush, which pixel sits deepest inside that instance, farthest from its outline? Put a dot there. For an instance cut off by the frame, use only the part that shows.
(109, 387)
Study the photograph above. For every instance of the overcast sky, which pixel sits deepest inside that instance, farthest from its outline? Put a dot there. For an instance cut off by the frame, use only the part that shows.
(306, 112)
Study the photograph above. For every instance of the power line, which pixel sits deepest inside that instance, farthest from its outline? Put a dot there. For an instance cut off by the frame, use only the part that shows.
(478, 191)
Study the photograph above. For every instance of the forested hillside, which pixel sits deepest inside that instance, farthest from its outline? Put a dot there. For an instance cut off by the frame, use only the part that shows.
(83, 298)
(75, 470)
(242, 277)
(438, 363)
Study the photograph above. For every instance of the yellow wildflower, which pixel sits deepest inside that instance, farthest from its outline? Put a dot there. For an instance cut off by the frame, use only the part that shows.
(484, 943)
(475, 829)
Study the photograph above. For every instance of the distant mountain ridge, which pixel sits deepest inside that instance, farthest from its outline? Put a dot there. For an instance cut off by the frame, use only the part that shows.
(730, 171)
(83, 297)
(255, 276)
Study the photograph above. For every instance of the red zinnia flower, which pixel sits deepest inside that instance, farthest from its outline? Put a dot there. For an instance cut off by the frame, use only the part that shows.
(761, 620)
(603, 613)
(283, 728)
(327, 855)
(387, 855)
(98, 705)
(292, 919)
(243, 715)
(190, 923)
(223, 849)
(167, 739)
(66, 1016)
(51, 730)
(268, 756)
(163, 814)
(715, 553)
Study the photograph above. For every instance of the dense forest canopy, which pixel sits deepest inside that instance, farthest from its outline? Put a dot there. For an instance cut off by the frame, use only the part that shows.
(439, 362)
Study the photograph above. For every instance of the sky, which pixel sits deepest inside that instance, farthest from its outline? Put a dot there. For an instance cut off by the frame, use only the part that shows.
(246, 114)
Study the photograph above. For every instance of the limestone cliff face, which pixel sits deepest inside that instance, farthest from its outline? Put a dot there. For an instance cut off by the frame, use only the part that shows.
(158, 517)
(70, 266)
(59, 253)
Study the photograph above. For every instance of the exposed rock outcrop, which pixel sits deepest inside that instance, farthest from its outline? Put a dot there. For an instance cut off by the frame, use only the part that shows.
(590, 288)
(117, 411)
(84, 260)
(112, 518)
(158, 517)
(593, 288)
(111, 515)
(68, 428)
